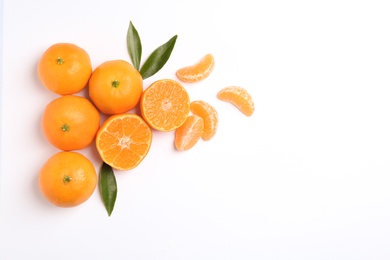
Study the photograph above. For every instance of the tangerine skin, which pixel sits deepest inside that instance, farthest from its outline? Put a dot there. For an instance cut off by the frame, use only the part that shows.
(123, 141)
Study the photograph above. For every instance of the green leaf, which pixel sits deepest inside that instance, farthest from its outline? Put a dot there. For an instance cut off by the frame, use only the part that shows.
(108, 188)
(134, 45)
(158, 58)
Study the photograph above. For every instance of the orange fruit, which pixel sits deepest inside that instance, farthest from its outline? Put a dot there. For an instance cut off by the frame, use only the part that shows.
(64, 68)
(239, 97)
(123, 141)
(165, 105)
(67, 179)
(209, 115)
(115, 87)
(197, 71)
(70, 122)
(187, 135)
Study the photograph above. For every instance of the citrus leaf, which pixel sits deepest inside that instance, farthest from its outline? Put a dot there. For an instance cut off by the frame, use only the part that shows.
(108, 188)
(158, 58)
(134, 45)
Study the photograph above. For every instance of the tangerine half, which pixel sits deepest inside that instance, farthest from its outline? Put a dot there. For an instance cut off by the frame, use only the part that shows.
(165, 105)
(115, 87)
(123, 141)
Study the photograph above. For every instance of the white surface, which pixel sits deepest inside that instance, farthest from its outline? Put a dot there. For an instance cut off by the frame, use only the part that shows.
(306, 177)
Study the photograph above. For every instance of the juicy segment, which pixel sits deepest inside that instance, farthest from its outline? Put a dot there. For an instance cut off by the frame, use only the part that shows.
(123, 141)
(196, 72)
(209, 115)
(239, 97)
(189, 133)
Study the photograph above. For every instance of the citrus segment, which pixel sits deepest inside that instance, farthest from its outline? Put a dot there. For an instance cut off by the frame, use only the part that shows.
(115, 87)
(64, 68)
(189, 133)
(67, 179)
(165, 105)
(123, 141)
(70, 122)
(239, 97)
(209, 115)
(198, 71)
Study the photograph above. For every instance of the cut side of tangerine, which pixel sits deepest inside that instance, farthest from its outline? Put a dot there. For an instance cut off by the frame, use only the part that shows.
(123, 141)
(165, 105)
(189, 133)
(209, 115)
(239, 97)
(198, 71)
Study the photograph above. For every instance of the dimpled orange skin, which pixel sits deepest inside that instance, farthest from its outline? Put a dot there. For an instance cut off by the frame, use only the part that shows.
(67, 179)
(115, 87)
(70, 122)
(64, 68)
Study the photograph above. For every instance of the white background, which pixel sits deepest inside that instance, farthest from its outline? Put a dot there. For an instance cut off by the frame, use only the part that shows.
(306, 177)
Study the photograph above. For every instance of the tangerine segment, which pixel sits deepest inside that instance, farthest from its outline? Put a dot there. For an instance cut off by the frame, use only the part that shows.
(189, 133)
(209, 115)
(239, 97)
(165, 105)
(123, 141)
(198, 71)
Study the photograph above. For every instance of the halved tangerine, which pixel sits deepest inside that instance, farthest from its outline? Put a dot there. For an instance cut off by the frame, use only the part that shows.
(165, 105)
(123, 141)
(189, 133)
(209, 115)
(239, 97)
(198, 71)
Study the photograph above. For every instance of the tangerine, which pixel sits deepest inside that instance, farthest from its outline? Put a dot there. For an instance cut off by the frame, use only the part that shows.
(165, 105)
(123, 141)
(198, 71)
(70, 122)
(115, 87)
(67, 179)
(64, 68)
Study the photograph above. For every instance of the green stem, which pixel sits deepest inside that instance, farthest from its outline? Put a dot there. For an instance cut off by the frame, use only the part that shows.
(60, 61)
(67, 179)
(115, 83)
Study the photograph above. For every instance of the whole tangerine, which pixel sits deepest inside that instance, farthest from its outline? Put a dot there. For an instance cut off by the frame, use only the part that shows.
(70, 122)
(115, 87)
(67, 179)
(65, 68)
